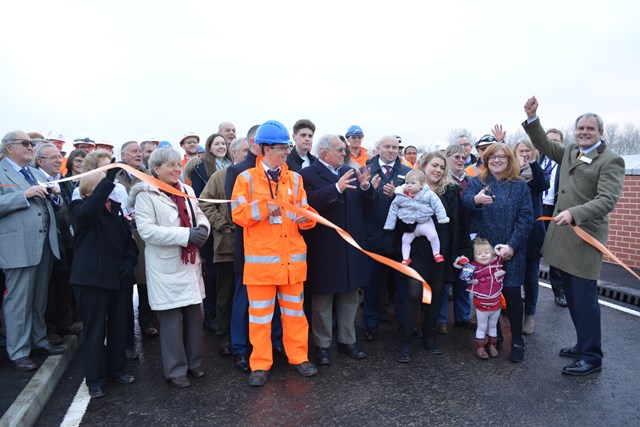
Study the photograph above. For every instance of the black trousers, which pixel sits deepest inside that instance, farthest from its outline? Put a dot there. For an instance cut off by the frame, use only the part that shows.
(413, 304)
(582, 298)
(104, 314)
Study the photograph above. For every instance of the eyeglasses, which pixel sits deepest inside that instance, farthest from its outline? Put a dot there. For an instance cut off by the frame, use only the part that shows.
(500, 157)
(26, 143)
(58, 157)
(282, 147)
(341, 150)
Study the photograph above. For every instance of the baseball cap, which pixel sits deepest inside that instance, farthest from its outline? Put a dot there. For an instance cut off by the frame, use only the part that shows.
(486, 140)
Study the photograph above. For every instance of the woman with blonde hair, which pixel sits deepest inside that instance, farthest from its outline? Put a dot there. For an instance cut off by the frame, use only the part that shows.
(454, 242)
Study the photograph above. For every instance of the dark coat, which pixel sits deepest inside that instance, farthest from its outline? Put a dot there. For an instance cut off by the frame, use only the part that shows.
(380, 241)
(105, 252)
(538, 184)
(232, 174)
(334, 266)
(294, 161)
(454, 241)
(507, 220)
(199, 179)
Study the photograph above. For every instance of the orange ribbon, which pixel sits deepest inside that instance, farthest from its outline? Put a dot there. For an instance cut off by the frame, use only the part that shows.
(593, 242)
(426, 289)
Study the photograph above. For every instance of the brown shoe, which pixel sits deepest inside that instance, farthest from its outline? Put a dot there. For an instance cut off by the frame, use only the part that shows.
(491, 347)
(441, 328)
(481, 352)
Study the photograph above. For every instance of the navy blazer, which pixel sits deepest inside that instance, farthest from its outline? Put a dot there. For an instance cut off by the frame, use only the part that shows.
(385, 242)
(334, 266)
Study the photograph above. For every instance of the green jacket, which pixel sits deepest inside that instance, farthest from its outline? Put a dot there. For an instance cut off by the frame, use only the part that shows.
(589, 191)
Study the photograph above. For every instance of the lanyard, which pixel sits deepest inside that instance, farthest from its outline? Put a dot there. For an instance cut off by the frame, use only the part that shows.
(270, 190)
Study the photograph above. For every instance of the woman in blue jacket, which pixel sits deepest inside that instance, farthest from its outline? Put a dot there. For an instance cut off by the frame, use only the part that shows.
(501, 204)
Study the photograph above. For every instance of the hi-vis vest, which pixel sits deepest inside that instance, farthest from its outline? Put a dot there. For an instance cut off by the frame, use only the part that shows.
(274, 254)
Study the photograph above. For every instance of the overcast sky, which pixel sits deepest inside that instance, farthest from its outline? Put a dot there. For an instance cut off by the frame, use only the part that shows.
(122, 69)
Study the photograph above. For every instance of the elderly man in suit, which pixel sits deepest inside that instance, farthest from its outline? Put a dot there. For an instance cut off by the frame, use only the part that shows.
(342, 195)
(28, 246)
(591, 180)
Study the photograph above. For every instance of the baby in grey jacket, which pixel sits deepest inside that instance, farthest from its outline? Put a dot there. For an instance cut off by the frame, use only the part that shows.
(415, 203)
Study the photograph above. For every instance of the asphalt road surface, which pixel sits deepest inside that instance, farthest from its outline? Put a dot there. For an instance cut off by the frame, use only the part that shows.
(452, 389)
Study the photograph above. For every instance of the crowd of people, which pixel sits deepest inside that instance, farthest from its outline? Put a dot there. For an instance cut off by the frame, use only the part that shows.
(254, 270)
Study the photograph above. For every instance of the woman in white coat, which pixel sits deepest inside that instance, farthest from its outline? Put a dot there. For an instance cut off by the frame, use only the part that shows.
(173, 228)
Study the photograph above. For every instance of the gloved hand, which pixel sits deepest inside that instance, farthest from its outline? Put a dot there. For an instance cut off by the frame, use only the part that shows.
(198, 235)
(111, 173)
(461, 261)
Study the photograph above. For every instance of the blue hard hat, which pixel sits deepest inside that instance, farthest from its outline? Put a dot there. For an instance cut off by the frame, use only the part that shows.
(200, 149)
(354, 130)
(272, 132)
(164, 144)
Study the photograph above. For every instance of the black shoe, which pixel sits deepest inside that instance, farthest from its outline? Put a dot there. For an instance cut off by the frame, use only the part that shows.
(197, 372)
(569, 352)
(405, 352)
(50, 350)
(96, 391)
(467, 324)
(306, 369)
(581, 368)
(322, 356)
(351, 350)
(258, 378)
(561, 301)
(24, 364)
(431, 345)
(370, 334)
(517, 353)
(225, 349)
(123, 379)
(180, 382)
(241, 361)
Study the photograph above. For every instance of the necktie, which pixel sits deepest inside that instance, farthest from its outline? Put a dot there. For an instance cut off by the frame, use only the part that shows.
(274, 174)
(27, 175)
(387, 170)
(580, 155)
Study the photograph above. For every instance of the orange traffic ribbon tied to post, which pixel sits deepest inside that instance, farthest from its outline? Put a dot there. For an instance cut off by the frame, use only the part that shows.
(593, 242)
(426, 289)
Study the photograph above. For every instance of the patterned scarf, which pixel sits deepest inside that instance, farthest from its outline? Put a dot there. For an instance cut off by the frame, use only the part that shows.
(189, 253)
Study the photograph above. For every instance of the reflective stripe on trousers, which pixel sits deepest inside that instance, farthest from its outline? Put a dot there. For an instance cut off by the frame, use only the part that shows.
(295, 329)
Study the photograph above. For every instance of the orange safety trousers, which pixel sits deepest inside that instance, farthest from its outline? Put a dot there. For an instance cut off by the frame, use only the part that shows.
(295, 329)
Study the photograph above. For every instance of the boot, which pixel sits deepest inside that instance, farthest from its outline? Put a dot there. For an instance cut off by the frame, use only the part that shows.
(481, 352)
(429, 341)
(404, 356)
(491, 347)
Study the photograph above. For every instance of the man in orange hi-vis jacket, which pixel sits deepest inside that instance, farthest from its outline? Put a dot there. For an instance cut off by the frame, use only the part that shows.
(275, 253)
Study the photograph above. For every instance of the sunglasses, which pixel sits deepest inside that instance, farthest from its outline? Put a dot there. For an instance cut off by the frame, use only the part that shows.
(24, 142)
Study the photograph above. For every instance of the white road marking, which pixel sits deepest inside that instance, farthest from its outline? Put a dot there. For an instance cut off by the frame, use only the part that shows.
(78, 407)
(606, 304)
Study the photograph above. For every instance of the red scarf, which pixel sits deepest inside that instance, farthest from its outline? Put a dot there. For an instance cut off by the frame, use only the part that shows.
(189, 253)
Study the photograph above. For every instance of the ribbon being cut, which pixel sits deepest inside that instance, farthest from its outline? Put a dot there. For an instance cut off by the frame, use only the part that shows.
(426, 290)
